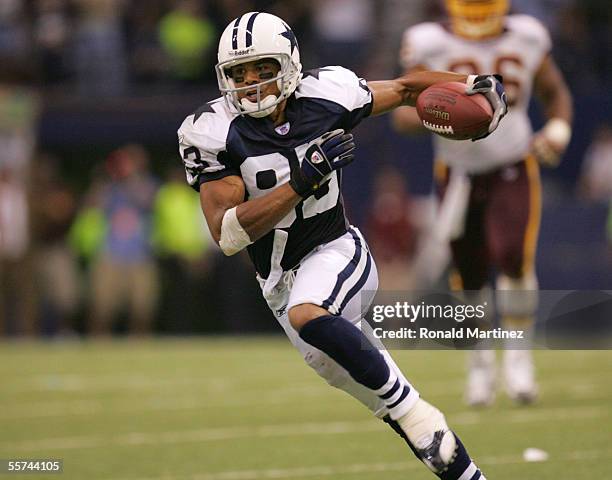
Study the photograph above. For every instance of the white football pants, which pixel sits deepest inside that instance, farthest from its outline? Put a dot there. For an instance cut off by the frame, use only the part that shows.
(341, 277)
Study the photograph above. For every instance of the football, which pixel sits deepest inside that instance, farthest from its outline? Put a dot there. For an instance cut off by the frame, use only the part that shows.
(446, 110)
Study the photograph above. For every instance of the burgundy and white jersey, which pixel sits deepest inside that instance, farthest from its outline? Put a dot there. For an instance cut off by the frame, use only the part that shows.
(516, 54)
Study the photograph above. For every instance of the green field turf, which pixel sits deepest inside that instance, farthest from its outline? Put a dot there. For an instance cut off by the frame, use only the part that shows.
(249, 409)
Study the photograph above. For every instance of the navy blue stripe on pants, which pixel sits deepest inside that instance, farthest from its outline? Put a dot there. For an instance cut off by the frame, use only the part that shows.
(345, 274)
(360, 283)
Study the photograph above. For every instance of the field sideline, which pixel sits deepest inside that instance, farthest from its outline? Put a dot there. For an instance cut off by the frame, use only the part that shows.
(250, 409)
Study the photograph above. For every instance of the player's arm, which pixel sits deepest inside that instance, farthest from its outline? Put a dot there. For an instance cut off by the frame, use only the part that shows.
(405, 90)
(405, 119)
(234, 223)
(390, 94)
(549, 86)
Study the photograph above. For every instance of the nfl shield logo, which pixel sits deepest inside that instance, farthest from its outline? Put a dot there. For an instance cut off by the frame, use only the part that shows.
(316, 157)
(283, 129)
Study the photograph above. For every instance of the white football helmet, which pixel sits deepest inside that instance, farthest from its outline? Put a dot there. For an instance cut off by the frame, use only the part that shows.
(254, 36)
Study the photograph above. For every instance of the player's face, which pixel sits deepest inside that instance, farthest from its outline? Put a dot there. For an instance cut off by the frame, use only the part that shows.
(252, 73)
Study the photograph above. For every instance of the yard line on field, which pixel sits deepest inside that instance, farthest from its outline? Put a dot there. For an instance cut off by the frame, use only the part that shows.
(101, 383)
(285, 430)
(318, 471)
(70, 408)
(86, 407)
(587, 391)
(335, 470)
(96, 383)
(535, 415)
(203, 435)
(49, 409)
(92, 383)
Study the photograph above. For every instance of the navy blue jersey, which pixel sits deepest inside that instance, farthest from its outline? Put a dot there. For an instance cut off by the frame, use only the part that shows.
(215, 142)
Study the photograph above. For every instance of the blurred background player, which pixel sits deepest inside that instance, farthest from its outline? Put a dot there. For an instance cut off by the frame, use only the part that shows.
(392, 229)
(490, 189)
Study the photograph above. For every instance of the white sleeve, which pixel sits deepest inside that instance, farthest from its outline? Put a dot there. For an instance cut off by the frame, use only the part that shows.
(202, 142)
(418, 43)
(533, 33)
(340, 86)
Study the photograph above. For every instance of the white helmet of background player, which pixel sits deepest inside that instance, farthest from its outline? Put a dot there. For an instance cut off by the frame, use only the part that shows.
(477, 19)
(255, 36)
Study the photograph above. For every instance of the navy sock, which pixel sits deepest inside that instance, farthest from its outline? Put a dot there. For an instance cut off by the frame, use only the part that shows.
(461, 463)
(455, 470)
(345, 343)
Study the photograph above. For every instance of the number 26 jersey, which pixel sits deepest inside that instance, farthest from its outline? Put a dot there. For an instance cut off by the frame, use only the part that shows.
(517, 53)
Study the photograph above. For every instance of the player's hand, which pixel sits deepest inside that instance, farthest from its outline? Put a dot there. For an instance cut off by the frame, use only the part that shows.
(546, 153)
(493, 90)
(549, 144)
(331, 151)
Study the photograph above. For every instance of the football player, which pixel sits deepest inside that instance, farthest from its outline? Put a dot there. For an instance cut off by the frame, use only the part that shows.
(490, 209)
(267, 159)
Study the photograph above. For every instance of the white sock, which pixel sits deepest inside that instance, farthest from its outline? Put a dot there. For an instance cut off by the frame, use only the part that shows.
(421, 424)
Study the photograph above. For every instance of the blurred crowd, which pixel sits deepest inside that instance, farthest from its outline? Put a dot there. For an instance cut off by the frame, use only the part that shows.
(127, 249)
(131, 254)
(107, 47)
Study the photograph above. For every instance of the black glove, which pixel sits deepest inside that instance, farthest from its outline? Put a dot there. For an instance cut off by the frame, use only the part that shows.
(331, 151)
(491, 87)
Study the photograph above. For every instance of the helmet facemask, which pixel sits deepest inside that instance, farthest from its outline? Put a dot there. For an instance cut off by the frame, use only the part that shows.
(286, 80)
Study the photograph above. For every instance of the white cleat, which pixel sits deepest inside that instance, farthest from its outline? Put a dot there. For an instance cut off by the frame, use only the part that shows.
(519, 376)
(426, 428)
(481, 383)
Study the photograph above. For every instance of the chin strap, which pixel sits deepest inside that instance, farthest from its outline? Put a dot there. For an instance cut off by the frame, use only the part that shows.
(266, 106)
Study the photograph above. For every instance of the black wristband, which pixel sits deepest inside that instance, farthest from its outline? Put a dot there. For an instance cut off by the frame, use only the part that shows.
(299, 184)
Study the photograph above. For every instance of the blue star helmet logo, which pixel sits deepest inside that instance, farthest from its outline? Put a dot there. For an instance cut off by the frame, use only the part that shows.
(289, 35)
